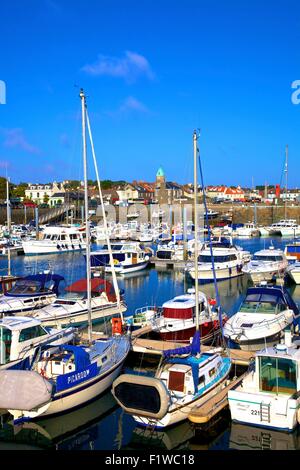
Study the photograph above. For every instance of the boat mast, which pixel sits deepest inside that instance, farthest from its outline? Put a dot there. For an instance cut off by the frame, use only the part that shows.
(87, 223)
(8, 217)
(286, 179)
(196, 231)
(111, 260)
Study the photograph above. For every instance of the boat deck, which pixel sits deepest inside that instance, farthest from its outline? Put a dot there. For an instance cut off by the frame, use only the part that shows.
(203, 413)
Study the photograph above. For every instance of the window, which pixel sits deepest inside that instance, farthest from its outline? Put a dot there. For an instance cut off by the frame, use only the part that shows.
(212, 372)
(5, 344)
(277, 375)
(201, 381)
(32, 332)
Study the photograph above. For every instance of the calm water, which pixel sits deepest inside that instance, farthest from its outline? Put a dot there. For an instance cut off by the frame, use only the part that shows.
(102, 424)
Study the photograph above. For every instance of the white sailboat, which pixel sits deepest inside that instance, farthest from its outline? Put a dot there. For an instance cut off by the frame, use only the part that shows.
(185, 378)
(62, 378)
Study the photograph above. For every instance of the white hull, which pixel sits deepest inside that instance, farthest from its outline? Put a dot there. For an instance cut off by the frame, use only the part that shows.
(127, 269)
(221, 273)
(42, 248)
(295, 275)
(76, 318)
(257, 277)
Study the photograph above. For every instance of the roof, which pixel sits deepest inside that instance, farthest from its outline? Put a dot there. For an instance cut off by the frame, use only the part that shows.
(183, 301)
(160, 172)
(276, 294)
(18, 323)
(97, 285)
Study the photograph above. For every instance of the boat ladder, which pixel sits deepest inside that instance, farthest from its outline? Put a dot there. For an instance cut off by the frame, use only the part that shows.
(265, 441)
(265, 412)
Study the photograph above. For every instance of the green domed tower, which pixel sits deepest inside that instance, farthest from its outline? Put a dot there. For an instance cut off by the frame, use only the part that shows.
(160, 176)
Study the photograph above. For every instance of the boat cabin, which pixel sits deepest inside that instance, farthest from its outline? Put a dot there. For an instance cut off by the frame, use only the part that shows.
(277, 370)
(18, 334)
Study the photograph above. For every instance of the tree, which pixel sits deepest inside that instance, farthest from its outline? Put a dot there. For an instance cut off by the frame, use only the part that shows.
(19, 190)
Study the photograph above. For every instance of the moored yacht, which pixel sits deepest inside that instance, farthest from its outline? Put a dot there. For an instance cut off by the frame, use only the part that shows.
(72, 308)
(285, 228)
(266, 265)
(30, 293)
(127, 257)
(228, 261)
(56, 239)
(20, 336)
(262, 317)
(269, 396)
(292, 251)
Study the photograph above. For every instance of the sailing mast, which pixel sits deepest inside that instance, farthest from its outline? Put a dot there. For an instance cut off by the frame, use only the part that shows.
(286, 180)
(196, 231)
(8, 217)
(111, 260)
(87, 222)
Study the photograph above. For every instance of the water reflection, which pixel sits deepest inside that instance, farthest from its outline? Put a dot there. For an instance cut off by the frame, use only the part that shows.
(244, 437)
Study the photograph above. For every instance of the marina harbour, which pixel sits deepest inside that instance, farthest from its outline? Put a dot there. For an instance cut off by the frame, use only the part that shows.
(102, 424)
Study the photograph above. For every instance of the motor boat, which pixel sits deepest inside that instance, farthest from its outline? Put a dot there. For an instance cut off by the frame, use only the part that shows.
(262, 318)
(292, 251)
(266, 265)
(30, 293)
(228, 261)
(285, 228)
(247, 230)
(55, 240)
(293, 272)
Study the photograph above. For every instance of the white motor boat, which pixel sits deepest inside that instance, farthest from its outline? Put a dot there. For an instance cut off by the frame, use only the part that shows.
(228, 261)
(56, 239)
(247, 230)
(262, 317)
(30, 294)
(266, 265)
(285, 228)
(268, 396)
(127, 257)
(72, 308)
(20, 336)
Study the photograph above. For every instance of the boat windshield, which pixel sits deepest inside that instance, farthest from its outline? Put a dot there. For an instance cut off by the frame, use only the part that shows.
(26, 287)
(5, 344)
(217, 259)
(267, 258)
(277, 375)
(262, 307)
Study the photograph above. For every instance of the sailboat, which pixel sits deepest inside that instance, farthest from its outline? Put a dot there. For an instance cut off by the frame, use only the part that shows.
(186, 376)
(61, 378)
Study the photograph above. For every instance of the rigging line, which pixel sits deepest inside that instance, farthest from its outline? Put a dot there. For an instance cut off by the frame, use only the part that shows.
(115, 282)
(211, 250)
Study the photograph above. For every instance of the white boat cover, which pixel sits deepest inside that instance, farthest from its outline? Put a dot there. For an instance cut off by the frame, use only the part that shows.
(23, 390)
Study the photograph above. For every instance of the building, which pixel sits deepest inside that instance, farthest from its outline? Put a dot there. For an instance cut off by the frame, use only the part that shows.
(41, 193)
(166, 192)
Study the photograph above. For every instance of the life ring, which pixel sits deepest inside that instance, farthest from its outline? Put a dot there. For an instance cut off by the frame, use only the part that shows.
(116, 261)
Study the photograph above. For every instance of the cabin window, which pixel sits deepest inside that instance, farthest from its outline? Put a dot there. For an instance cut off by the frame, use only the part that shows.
(5, 345)
(277, 375)
(62, 237)
(201, 381)
(212, 372)
(32, 332)
(28, 301)
(104, 359)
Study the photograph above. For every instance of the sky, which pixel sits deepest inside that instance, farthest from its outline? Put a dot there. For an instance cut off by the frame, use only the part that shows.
(153, 71)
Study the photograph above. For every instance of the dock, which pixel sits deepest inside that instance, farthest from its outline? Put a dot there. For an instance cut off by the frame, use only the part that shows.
(167, 263)
(156, 347)
(203, 413)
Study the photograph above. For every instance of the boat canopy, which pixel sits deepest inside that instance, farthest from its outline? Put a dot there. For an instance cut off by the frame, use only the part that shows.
(35, 283)
(97, 286)
(81, 357)
(278, 295)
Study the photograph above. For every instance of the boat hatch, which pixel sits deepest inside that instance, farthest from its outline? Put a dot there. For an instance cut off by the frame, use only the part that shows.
(179, 374)
(141, 395)
(247, 325)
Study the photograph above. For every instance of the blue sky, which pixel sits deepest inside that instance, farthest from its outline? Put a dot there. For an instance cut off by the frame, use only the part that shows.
(153, 71)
